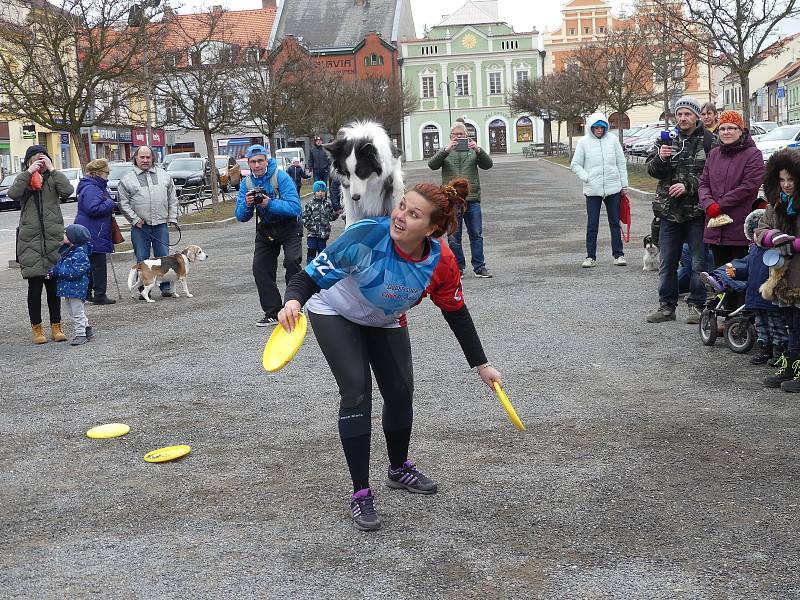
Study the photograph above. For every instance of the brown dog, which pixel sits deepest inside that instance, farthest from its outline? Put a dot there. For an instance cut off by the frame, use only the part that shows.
(167, 268)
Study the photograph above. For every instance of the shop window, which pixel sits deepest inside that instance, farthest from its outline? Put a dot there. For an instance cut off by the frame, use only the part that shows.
(524, 129)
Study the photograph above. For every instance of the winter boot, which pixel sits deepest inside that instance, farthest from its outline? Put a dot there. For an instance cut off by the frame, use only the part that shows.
(38, 334)
(793, 386)
(777, 353)
(784, 372)
(55, 331)
(763, 355)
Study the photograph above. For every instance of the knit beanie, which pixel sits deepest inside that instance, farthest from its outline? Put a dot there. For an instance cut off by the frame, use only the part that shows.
(78, 234)
(35, 149)
(690, 103)
(732, 117)
(319, 186)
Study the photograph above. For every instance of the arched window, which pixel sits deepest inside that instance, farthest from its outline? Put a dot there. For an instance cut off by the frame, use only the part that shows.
(373, 60)
(524, 129)
(614, 121)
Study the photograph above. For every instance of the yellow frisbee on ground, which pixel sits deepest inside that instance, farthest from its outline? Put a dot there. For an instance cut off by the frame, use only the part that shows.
(109, 430)
(166, 454)
(282, 346)
(512, 414)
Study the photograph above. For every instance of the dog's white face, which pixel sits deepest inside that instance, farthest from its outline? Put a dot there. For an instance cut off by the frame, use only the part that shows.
(195, 252)
(367, 164)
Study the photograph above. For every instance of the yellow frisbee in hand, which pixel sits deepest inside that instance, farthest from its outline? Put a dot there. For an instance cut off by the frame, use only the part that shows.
(166, 454)
(512, 414)
(282, 346)
(109, 430)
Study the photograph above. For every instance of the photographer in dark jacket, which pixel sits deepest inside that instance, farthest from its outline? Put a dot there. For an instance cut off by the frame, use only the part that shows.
(278, 226)
(678, 164)
(318, 162)
(297, 174)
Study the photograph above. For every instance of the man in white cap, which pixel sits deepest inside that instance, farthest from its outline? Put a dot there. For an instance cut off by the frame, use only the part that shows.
(677, 162)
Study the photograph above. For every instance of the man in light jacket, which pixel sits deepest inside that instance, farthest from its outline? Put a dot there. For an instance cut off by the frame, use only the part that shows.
(148, 200)
(600, 164)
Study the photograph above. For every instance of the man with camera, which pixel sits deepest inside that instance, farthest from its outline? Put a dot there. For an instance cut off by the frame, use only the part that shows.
(148, 200)
(270, 195)
(461, 158)
(677, 162)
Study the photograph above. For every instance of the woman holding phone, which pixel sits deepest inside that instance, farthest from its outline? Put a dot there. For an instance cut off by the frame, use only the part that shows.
(40, 189)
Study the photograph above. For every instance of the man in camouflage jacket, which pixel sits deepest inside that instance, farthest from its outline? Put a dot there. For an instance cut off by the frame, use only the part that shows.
(678, 164)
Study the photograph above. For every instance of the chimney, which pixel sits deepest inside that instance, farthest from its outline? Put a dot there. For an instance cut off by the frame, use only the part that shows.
(269, 4)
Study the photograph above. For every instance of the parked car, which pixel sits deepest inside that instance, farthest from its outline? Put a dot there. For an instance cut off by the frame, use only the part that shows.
(759, 128)
(289, 154)
(643, 144)
(170, 157)
(7, 203)
(118, 171)
(74, 176)
(189, 171)
(779, 138)
(230, 174)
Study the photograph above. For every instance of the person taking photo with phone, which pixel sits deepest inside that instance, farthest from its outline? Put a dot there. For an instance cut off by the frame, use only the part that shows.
(462, 157)
(40, 189)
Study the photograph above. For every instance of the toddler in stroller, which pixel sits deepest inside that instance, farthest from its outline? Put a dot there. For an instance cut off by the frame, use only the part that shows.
(745, 275)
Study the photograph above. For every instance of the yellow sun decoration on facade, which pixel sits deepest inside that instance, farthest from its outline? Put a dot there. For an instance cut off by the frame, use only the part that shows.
(469, 41)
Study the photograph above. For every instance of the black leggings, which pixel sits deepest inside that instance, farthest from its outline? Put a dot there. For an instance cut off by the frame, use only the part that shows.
(351, 350)
(35, 285)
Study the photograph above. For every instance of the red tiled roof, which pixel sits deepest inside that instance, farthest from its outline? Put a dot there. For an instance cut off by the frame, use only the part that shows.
(786, 71)
(244, 28)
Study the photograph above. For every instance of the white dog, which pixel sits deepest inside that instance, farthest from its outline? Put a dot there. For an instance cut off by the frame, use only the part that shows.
(651, 261)
(367, 164)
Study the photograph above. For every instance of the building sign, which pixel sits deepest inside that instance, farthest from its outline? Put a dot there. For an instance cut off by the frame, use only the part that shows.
(337, 64)
(29, 132)
(111, 135)
(139, 137)
(65, 139)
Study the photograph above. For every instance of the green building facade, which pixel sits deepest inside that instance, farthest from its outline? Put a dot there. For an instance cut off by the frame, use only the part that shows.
(478, 60)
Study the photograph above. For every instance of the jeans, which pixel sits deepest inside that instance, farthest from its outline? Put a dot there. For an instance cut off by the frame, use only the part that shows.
(735, 285)
(156, 236)
(685, 268)
(315, 246)
(671, 240)
(472, 217)
(269, 241)
(593, 204)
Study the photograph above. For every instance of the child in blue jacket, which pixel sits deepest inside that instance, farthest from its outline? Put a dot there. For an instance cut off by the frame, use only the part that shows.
(72, 274)
(750, 273)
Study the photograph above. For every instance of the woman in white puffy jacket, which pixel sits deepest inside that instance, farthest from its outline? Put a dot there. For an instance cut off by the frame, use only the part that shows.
(600, 163)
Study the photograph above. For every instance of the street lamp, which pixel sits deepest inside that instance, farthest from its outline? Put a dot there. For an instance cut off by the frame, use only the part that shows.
(449, 113)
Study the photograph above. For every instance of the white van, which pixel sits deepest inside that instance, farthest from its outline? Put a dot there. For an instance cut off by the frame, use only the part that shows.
(289, 154)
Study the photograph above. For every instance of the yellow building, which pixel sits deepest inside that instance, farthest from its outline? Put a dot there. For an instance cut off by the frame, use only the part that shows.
(16, 136)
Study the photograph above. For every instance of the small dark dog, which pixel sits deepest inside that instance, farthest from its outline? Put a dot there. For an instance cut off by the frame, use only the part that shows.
(651, 261)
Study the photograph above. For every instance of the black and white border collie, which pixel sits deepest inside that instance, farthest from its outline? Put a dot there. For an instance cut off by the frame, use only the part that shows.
(367, 164)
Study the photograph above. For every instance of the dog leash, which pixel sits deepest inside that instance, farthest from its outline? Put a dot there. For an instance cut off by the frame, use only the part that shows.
(178, 241)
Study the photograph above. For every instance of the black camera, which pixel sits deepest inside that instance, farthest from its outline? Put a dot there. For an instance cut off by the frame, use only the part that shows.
(259, 194)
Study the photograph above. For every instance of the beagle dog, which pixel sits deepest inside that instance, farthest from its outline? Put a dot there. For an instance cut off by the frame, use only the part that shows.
(167, 268)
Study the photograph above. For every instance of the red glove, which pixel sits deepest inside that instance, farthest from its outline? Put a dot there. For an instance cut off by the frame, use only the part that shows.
(713, 211)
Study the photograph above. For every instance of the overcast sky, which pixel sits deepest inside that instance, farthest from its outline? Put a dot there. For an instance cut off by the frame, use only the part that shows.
(522, 15)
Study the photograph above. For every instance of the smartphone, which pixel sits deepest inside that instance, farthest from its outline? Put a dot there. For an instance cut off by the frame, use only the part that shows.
(462, 145)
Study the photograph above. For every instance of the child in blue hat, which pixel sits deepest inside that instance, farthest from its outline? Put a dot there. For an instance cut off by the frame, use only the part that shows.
(317, 216)
(72, 275)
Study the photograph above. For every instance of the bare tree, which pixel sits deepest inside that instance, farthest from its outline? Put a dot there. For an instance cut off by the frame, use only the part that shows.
(738, 30)
(71, 63)
(385, 101)
(569, 95)
(529, 97)
(194, 81)
(617, 67)
(279, 91)
(672, 62)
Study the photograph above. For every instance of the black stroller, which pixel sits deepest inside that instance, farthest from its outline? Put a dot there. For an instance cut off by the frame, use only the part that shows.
(738, 326)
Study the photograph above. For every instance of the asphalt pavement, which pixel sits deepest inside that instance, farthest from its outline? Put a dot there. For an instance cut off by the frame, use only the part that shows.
(652, 466)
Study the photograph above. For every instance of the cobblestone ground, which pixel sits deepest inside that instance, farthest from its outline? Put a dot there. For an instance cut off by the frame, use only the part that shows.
(652, 467)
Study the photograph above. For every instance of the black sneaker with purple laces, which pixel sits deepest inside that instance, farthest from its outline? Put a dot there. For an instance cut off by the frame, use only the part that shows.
(362, 508)
(409, 477)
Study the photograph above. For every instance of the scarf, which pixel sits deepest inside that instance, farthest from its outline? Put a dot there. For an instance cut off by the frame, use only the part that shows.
(789, 201)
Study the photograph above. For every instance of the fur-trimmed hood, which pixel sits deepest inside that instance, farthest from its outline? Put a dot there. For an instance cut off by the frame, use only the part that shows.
(788, 159)
(751, 222)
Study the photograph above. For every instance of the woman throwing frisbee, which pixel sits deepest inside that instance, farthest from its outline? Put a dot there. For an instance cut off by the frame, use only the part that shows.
(356, 293)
